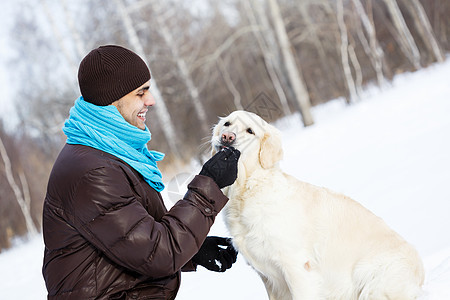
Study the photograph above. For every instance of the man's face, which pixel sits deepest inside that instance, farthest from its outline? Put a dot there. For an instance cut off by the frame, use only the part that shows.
(134, 105)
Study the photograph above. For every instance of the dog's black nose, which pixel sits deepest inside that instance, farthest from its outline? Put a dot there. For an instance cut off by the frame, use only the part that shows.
(228, 138)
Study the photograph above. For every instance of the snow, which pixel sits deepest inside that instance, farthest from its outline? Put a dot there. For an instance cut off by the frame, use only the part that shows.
(390, 152)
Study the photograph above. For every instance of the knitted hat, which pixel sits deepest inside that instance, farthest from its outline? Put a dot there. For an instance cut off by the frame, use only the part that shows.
(110, 72)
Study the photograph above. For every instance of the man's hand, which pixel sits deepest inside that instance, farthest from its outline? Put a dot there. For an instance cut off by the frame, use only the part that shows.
(216, 254)
(222, 167)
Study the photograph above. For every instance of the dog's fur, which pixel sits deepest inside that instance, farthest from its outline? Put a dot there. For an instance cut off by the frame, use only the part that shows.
(308, 242)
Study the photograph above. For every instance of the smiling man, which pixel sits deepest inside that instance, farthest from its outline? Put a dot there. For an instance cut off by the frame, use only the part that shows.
(106, 230)
(134, 106)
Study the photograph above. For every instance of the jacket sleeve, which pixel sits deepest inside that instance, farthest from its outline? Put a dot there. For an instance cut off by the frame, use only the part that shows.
(108, 215)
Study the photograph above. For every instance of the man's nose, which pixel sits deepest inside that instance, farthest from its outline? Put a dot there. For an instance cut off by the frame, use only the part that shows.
(149, 100)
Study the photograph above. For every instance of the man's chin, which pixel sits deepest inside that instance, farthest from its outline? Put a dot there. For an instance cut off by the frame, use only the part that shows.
(140, 125)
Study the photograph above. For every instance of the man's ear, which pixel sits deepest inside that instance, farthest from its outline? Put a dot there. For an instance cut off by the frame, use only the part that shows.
(271, 151)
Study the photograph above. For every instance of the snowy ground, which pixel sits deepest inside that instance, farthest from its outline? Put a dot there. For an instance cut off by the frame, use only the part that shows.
(391, 152)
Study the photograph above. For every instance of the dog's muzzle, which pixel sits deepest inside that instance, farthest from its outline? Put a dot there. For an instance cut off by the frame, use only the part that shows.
(227, 139)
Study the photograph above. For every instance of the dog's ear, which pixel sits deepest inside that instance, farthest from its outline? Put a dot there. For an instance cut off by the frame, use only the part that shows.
(271, 151)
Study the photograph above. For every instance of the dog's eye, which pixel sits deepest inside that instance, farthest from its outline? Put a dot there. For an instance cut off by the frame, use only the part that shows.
(227, 124)
(249, 130)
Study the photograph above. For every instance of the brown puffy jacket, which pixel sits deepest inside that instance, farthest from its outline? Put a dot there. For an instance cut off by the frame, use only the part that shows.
(108, 234)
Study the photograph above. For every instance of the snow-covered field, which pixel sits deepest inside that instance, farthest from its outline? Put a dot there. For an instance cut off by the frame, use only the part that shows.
(390, 151)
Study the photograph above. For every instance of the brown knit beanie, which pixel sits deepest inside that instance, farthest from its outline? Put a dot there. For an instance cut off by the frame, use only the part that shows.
(110, 72)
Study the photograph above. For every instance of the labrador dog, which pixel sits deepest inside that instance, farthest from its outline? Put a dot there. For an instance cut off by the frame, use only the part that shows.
(307, 242)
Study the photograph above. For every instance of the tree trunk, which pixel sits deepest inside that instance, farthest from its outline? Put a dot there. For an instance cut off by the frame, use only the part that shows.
(31, 228)
(357, 68)
(274, 50)
(182, 67)
(267, 55)
(412, 52)
(229, 83)
(325, 61)
(161, 108)
(344, 52)
(376, 53)
(424, 28)
(295, 77)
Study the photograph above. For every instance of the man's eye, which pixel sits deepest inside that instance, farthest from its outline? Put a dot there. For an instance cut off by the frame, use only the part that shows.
(249, 130)
(227, 124)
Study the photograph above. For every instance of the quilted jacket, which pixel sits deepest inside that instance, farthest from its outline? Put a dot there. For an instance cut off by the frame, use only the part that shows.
(108, 234)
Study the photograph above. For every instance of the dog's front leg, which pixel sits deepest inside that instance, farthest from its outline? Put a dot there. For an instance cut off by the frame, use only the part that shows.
(276, 290)
(269, 287)
(304, 283)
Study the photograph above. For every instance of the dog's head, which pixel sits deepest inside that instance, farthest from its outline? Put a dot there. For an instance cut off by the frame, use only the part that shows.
(258, 141)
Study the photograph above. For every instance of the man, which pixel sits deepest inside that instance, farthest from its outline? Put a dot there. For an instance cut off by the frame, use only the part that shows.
(107, 233)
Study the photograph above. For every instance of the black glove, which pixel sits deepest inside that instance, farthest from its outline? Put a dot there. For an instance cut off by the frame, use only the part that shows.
(214, 257)
(222, 167)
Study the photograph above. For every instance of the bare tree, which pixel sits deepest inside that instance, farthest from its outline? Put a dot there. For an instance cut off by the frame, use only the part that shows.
(357, 67)
(23, 203)
(344, 51)
(407, 42)
(424, 28)
(268, 55)
(163, 113)
(293, 70)
(372, 48)
(229, 82)
(25, 189)
(161, 16)
(182, 66)
(314, 32)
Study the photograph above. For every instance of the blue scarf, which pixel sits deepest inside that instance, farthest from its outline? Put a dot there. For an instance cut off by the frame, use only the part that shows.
(104, 128)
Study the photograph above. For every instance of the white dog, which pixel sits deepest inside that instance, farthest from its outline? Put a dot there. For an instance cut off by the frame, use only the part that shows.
(308, 242)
